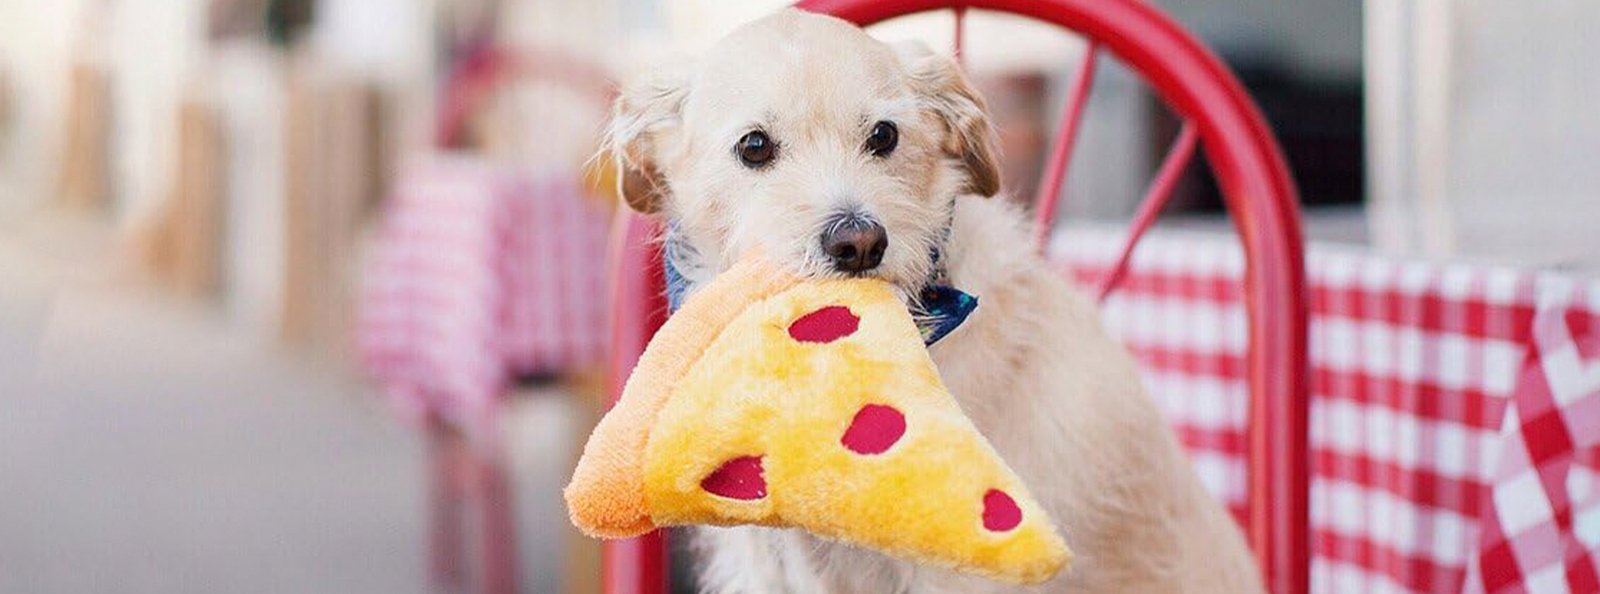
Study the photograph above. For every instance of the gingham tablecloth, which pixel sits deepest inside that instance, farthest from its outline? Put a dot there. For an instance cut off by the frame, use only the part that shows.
(480, 273)
(1455, 408)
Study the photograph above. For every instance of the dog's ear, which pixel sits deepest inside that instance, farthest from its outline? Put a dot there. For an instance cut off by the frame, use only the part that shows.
(644, 113)
(968, 134)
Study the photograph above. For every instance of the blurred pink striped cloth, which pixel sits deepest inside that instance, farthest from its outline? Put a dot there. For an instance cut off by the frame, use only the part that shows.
(479, 274)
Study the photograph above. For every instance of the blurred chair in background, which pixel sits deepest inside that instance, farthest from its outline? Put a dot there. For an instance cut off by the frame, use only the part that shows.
(337, 167)
(185, 244)
(485, 270)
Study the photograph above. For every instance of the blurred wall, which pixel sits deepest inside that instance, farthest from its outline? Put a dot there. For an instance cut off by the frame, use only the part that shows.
(149, 49)
(153, 51)
(1315, 38)
(33, 38)
(1524, 130)
(1485, 129)
(389, 40)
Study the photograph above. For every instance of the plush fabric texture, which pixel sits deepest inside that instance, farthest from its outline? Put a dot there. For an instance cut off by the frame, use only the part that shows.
(776, 402)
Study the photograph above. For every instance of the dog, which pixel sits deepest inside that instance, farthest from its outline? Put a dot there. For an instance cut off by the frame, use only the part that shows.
(837, 155)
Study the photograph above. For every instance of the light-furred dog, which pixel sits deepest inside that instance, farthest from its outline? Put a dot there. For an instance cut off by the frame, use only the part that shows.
(838, 155)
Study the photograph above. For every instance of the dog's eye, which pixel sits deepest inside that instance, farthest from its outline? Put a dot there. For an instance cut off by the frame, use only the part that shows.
(755, 150)
(883, 139)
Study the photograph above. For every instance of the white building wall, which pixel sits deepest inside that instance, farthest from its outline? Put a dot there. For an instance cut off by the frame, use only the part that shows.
(35, 40)
(1484, 130)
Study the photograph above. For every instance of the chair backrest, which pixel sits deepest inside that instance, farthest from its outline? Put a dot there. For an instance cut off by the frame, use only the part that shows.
(1258, 192)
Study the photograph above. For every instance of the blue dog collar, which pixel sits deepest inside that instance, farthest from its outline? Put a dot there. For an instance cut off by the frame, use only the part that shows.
(939, 309)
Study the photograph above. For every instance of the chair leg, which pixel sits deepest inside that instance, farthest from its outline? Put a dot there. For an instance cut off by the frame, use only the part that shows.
(447, 494)
(497, 523)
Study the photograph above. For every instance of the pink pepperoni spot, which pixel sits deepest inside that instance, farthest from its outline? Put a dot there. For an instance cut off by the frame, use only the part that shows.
(825, 325)
(875, 428)
(739, 478)
(1000, 511)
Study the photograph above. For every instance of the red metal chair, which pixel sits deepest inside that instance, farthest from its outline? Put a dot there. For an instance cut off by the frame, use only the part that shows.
(1259, 195)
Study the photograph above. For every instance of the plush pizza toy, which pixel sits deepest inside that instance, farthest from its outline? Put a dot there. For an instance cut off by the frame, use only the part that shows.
(773, 401)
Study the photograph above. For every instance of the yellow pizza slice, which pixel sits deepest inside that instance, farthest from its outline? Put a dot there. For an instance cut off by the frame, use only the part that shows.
(771, 401)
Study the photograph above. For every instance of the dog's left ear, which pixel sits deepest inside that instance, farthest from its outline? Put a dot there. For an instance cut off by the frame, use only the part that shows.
(968, 134)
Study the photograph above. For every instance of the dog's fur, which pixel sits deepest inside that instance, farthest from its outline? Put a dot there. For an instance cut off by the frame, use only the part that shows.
(1032, 367)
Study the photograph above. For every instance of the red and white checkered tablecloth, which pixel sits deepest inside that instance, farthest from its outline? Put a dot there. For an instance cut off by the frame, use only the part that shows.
(1455, 408)
(480, 273)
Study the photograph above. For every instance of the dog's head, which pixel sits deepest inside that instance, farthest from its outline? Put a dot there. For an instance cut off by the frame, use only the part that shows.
(802, 136)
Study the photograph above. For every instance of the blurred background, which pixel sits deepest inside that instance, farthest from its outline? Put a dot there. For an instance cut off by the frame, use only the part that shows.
(219, 220)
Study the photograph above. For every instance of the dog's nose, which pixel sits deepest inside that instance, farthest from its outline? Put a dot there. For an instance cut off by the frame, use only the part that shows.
(856, 245)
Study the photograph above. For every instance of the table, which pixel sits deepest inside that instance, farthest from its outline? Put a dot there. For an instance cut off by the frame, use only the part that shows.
(1455, 426)
(479, 273)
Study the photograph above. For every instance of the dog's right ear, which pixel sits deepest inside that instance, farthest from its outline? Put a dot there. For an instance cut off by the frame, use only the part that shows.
(969, 135)
(644, 113)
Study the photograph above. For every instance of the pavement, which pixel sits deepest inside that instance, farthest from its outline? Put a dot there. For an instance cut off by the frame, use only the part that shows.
(149, 444)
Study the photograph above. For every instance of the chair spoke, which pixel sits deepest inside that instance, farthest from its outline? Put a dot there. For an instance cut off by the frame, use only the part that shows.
(960, 36)
(1155, 199)
(1049, 196)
